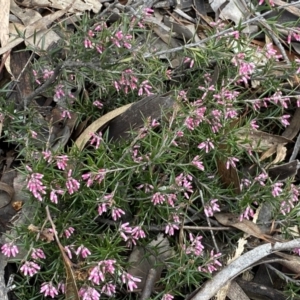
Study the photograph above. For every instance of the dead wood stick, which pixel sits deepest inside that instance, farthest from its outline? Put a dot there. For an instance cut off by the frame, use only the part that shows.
(240, 265)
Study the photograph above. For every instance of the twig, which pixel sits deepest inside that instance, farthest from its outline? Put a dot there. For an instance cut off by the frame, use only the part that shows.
(296, 149)
(149, 284)
(282, 275)
(239, 265)
(208, 222)
(276, 40)
(205, 228)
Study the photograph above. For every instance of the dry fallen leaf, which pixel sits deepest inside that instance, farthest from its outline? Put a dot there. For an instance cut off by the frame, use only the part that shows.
(45, 235)
(259, 141)
(229, 219)
(34, 29)
(17, 205)
(229, 176)
(78, 5)
(153, 256)
(4, 29)
(95, 126)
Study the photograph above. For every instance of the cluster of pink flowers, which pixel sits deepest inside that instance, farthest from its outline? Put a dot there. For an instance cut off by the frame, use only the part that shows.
(89, 293)
(30, 268)
(195, 246)
(198, 163)
(35, 185)
(37, 254)
(72, 184)
(130, 82)
(207, 145)
(48, 289)
(245, 68)
(103, 268)
(46, 74)
(96, 139)
(211, 207)
(160, 198)
(10, 249)
(247, 214)
(294, 34)
(91, 177)
(69, 231)
(122, 40)
(185, 182)
(270, 1)
(130, 281)
(212, 264)
(287, 205)
(61, 160)
(131, 234)
(231, 162)
(174, 225)
(81, 250)
(108, 202)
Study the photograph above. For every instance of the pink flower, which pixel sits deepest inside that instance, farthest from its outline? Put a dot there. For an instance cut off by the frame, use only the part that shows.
(167, 297)
(116, 213)
(98, 104)
(125, 229)
(297, 251)
(68, 251)
(96, 275)
(197, 163)
(47, 155)
(207, 145)
(87, 43)
(72, 184)
(247, 213)
(47, 74)
(102, 208)
(69, 231)
(170, 228)
(38, 253)
(48, 289)
(261, 178)
(253, 125)
(213, 263)
(61, 161)
(66, 114)
(59, 92)
(109, 289)
(158, 198)
(83, 250)
(185, 181)
(96, 139)
(145, 88)
(276, 189)
(62, 287)
(89, 293)
(36, 186)
(231, 162)
(30, 268)
(285, 207)
(33, 134)
(9, 250)
(284, 120)
(130, 281)
(211, 207)
(195, 246)
(148, 12)
(53, 195)
(137, 233)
